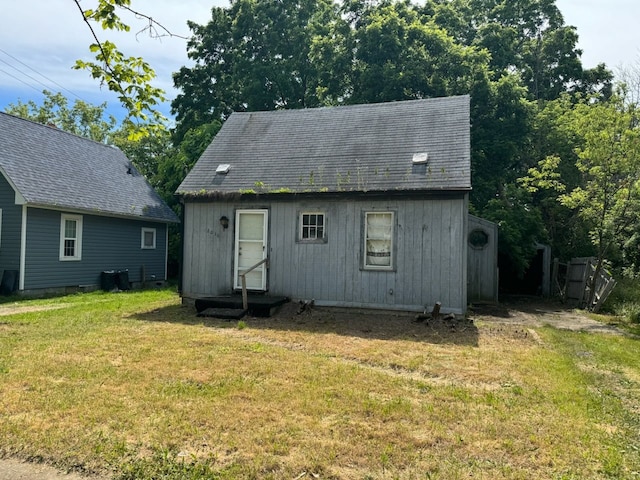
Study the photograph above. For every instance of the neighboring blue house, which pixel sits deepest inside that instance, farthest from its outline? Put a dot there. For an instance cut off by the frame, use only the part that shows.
(72, 208)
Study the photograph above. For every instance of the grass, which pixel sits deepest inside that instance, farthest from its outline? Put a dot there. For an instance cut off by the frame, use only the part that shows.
(622, 308)
(133, 385)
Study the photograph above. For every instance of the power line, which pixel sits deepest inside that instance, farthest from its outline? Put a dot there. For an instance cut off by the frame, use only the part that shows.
(20, 80)
(35, 71)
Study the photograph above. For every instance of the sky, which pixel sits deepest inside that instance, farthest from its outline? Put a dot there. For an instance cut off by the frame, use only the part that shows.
(41, 39)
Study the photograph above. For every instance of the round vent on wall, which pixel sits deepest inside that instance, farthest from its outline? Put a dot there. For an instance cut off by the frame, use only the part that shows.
(478, 238)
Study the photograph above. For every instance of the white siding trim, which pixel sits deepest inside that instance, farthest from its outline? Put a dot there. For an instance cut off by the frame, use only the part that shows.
(23, 248)
(166, 251)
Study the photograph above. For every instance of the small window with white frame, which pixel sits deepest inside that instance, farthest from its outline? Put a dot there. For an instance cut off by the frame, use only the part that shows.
(70, 237)
(148, 240)
(378, 240)
(313, 227)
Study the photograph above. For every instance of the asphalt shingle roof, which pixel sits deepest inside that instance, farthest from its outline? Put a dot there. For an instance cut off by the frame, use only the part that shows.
(53, 168)
(359, 148)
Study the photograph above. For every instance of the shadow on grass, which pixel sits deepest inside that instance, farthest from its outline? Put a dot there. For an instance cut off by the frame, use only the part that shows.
(371, 325)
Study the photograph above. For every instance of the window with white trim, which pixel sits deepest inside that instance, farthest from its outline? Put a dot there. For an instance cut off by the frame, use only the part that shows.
(148, 239)
(312, 227)
(70, 237)
(378, 240)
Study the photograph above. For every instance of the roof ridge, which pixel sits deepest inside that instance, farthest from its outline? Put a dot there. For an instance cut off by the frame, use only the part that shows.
(55, 128)
(354, 106)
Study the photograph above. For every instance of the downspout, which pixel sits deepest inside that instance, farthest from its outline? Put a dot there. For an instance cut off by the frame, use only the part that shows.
(23, 248)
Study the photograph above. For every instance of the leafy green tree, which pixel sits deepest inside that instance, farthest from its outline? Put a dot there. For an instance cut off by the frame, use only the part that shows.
(520, 226)
(130, 78)
(607, 197)
(401, 54)
(81, 119)
(524, 36)
(253, 55)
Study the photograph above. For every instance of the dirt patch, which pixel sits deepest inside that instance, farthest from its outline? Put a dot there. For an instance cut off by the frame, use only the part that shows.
(537, 312)
(12, 469)
(13, 309)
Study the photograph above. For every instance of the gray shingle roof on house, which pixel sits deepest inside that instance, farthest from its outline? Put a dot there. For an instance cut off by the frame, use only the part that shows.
(54, 169)
(359, 148)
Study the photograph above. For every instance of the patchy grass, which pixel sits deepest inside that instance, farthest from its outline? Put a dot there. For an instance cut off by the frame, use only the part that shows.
(134, 385)
(622, 308)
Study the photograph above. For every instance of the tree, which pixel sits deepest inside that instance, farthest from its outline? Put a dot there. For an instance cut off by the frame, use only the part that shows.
(401, 54)
(524, 36)
(253, 55)
(129, 77)
(607, 198)
(81, 119)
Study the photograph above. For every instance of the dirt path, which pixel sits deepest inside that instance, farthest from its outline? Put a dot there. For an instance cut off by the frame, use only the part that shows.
(12, 469)
(536, 313)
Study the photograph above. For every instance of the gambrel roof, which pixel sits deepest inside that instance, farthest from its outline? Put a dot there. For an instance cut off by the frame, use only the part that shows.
(360, 148)
(50, 168)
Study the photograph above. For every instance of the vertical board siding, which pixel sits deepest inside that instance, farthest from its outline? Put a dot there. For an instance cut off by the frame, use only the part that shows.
(429, 248)
(107, 244)
(482, 263)
(208, 249)
(10, 232)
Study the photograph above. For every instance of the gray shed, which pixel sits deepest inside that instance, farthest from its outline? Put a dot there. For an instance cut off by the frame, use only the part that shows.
(72, 208)
(482, 260)
(357, 206)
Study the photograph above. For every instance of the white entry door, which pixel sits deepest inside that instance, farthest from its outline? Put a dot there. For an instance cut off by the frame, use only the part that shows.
(250, 248)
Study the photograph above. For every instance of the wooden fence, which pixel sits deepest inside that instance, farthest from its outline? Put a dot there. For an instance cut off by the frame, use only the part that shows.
(572, 282)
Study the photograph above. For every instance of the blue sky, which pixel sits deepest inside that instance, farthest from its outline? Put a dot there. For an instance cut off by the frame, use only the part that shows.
(41, 39)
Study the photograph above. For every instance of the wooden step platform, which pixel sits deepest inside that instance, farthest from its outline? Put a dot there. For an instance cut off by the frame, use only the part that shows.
(259, 305)
(224, 313)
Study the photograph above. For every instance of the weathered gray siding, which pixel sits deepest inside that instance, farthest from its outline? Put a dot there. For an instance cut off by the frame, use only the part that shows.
(430, 252)
(482, 262)
(107, 244)
(10, 228)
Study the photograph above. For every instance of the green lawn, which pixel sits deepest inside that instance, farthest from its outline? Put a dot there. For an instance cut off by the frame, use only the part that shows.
(134, 385)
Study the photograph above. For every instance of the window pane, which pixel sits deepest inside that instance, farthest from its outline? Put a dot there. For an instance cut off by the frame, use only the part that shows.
(311, 226)
(148, 239)
(69, 248)
(70, 228)
(378, 244)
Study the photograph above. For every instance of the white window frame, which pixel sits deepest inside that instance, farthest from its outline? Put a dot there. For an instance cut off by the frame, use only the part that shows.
(366, 238)
(301, 227)
(143, 233)
(78, 238)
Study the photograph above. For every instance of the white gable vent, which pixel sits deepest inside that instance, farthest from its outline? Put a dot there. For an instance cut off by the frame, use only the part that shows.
(419, 158)
(223, 168)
